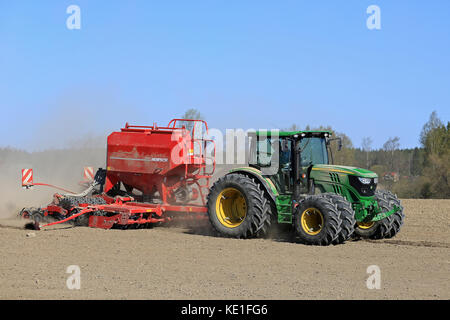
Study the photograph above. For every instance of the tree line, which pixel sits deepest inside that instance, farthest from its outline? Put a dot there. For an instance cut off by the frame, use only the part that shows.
(421, 172)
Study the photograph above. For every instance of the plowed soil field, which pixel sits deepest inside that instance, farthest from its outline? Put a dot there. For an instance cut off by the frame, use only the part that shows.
(189, 262)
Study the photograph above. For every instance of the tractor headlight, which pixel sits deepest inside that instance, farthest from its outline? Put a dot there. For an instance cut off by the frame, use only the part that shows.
(375, 180)
(364, 180)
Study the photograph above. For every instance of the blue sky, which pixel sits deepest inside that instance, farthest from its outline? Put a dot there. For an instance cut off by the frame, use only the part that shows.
(243, 64)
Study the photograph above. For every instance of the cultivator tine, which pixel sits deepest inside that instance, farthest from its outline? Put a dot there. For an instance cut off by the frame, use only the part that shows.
(32, 226)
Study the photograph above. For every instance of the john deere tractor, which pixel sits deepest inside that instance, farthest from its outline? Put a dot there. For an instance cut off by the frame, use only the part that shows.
(289, 180)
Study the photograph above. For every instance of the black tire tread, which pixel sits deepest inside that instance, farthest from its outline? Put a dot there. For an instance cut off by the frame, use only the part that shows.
(396, 219)
(329, 209)
(347, 217)
(258, 220)
(387, 227)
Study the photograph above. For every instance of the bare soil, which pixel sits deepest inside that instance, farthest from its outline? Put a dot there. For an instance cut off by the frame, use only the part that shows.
(188, 262)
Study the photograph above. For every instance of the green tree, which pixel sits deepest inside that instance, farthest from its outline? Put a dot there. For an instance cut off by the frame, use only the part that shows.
(435, 138)
(432, 123)
(418, 158)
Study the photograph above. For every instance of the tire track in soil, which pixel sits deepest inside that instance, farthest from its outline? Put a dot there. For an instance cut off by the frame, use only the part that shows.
(411, 243)
(12, 224)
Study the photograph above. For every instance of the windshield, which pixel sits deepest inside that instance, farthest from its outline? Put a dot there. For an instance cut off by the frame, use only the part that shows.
(313, 151)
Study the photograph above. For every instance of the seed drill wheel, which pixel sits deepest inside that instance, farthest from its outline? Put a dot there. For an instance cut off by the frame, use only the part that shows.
(37, 217)
(238, 207)
(25, 213)
(317, 220)
(387, 227)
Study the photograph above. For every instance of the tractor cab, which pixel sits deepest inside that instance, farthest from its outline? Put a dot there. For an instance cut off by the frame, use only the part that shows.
(289, 156)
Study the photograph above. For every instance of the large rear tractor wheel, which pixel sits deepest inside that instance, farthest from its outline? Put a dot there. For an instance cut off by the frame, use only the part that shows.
(317, 220)
(347, 217)
(238, 207)
(387, 227)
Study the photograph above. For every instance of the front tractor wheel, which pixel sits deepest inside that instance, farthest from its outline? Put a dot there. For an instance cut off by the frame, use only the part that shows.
(387, 227)
(317, 221)
(347, 216)
(238, 207)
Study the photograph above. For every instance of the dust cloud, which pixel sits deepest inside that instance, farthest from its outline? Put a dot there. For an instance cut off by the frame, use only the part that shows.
(62, 168)
(69, 134)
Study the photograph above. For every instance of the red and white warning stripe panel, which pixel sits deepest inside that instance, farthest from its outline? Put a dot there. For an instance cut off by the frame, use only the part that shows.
(27, 177)
(88, 173)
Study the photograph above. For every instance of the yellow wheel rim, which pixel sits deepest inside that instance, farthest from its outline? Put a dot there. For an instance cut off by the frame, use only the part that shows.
(312, 221)
(231, 207)
(365, 225)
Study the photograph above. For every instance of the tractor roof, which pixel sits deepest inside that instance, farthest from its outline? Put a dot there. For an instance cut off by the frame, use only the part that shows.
(292, 133)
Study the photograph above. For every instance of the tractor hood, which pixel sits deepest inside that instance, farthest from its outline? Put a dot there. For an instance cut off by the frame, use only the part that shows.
(345, 170)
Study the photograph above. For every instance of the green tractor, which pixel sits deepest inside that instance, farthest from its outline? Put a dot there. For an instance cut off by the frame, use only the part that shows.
(289, 180)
